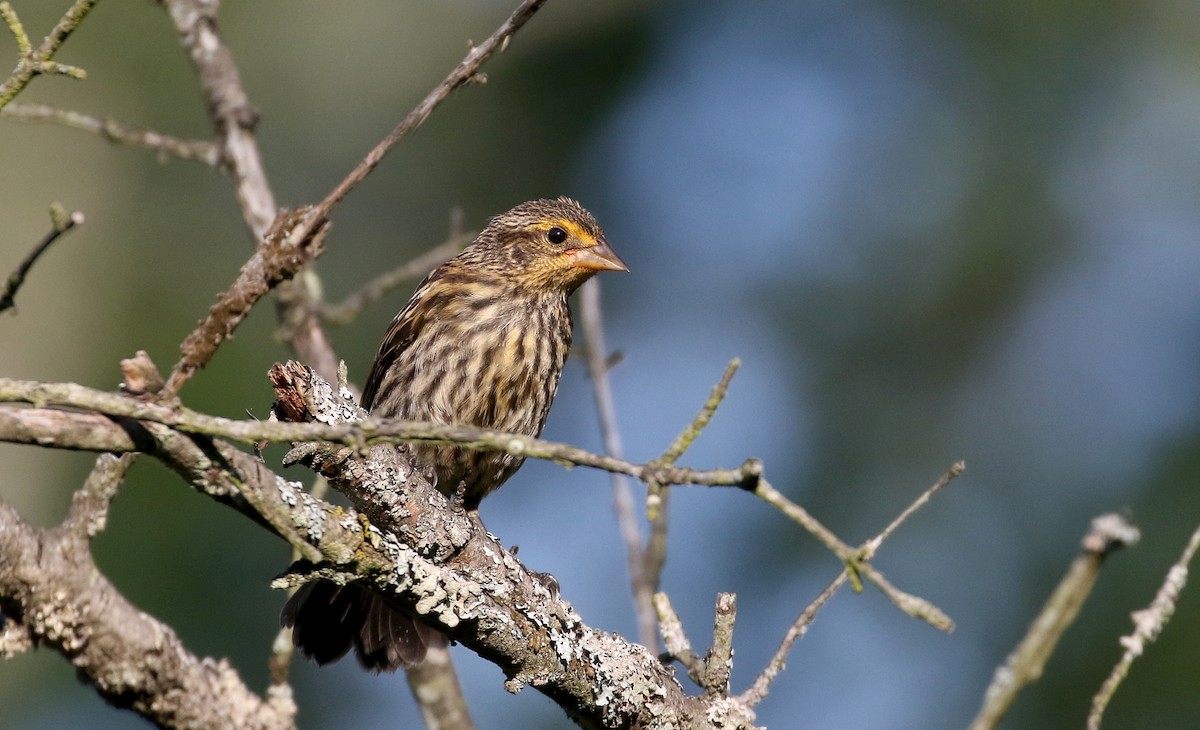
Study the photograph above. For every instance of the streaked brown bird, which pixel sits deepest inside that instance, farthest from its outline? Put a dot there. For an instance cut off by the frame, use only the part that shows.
(482, 342)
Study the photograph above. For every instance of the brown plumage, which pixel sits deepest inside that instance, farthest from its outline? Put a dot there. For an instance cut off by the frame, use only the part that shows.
(482, 342)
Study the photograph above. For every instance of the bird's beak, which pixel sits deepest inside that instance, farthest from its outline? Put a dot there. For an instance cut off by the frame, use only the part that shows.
(597, 258)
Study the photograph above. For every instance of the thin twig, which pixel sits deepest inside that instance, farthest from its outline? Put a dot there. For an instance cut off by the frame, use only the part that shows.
(466, 72)
(276, 261)
(675, 639)
(1024, 666)
(9, 14)
(914, 606)
(355, 435)
(857, 567)
(798, 514)
(872, 545)
(34, 61)
(304, 324)
(689, 434)
(1148, 623)
(658, 497)
(349, 308)
(591, 321)
(234, 118)
(229, 109)
(61, 224)
(89, 504)
(762, 684)
(197, 150)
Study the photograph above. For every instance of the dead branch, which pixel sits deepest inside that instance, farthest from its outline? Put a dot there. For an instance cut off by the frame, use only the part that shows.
(1024, 666)
(53, 591)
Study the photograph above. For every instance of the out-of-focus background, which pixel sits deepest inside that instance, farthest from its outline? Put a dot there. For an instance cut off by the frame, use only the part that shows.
(932, 231)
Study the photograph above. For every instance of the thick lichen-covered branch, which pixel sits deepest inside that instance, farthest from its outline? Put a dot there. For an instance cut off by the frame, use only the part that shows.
(52, 593)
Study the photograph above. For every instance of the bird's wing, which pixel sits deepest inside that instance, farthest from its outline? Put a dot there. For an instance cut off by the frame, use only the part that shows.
(400, 334)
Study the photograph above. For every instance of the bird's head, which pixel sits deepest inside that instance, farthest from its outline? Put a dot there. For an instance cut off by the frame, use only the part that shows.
(546, 245)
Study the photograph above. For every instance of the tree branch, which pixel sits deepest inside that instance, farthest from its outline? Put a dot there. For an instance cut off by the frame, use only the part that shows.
(467, 71)
(50, 587)
(278, 258)
(591, 321)
(1024, 666)
(375, 431)
(234, 120)
(762, 684)
(229, 108)
(415, 548)
(508, 616)
(196, 150)
(355, 435)
(349, 308)
(1148, 623)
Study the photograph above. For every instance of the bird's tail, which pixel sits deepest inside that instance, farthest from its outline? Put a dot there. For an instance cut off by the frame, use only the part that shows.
(327, 619)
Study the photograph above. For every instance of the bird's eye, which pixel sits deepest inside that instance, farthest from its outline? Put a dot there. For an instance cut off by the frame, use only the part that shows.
(556, 235)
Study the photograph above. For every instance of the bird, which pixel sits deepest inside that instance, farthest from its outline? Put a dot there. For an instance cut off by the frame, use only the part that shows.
(482, 342)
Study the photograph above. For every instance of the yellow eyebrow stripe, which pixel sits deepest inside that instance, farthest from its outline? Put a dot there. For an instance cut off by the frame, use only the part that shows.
(574, 229)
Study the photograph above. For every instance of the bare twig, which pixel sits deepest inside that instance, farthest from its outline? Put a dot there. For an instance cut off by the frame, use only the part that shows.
(591, 321)
(914, 606)
(466, 72)
(657, 499)
(197, 150)
(301, 319)
(778, 662)
(855, 565)
(856, 559)
(675, 638)
(349, 308)
(61, 224)
(484, 598)
(1024, 666)
(767, 493)
(276, 260)
(33, 61)
(1148, 623)
(868, 549)
(692, 431)
(229, 108)
(89, 504)
(436, 683)
(404, 508)
(234, 119)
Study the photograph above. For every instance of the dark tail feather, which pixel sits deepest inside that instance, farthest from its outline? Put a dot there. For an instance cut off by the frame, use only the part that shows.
(327, 619)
